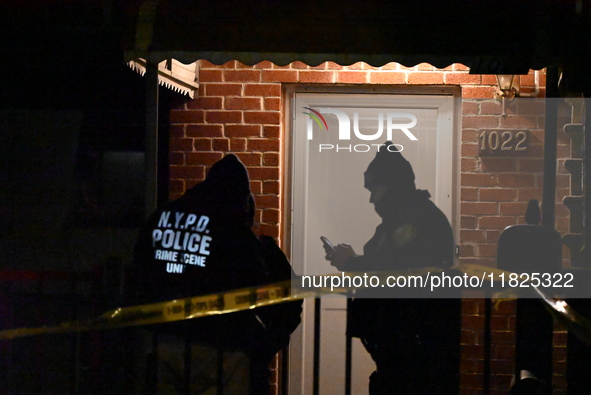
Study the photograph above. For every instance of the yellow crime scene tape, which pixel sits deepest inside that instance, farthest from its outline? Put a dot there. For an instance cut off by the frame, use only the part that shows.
(280, 292)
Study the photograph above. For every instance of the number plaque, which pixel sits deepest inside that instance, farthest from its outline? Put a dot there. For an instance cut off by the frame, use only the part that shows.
(502, 141)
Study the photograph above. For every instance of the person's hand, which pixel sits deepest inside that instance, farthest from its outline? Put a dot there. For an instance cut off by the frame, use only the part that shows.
(340, 255)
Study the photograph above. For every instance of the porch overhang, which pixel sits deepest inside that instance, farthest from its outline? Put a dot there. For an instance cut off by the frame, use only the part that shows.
(489, 37)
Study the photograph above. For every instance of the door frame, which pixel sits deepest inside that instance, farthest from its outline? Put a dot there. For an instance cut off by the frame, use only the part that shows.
(294, 363)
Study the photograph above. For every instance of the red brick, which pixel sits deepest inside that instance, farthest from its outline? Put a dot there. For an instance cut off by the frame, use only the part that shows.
(242, 75)
(472, 306)
(271, 187)
(469, 194)
(478, 208)
(472, 236)
(271, 131)
(470, 135)
(531, 107)
(223, 89)
(262, 90)
(498, 164)
(270, 216)
(478, 180)
(250, 159)
(469, 92)
(516, 180)
(263, 145)
(185, 116)
(470, 108)
(513, 208)
(469, 164)
(519, 122)
(256, 187)
(531, 165)
(204, 131)
(480, 121)
(471, 381)
(469, 150)
(202, 144)
(210, 75)
(243, 103)
(316, 77)
(468, 222)
(223, 117)
(352, 77)
(471, 365)
(461, 78)
(181, 144)
(425, 78)
(537, 151)
(491, 108)
(280, 76)
(205, 103)
(262, 117)
(501, 365)
(466, 250)
(498, 194)
(489, 79)
(268, 201)
(272, 104)
(472, 351)
(220, 145)
(492, 236)
(203, 158)
(487, 250)
(385, 77)
(562, 150)
(270, 159)
(242, 131)
(264, 173)
(496, 222)
(562, 224)
(237, 145)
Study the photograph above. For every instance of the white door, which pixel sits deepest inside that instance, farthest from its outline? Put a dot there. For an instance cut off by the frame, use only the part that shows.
(328, 199)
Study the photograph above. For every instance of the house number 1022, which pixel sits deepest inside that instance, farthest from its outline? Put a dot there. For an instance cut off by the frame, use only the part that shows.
(502, 141)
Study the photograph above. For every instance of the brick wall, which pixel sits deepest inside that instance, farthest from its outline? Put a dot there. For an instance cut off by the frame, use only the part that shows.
(239, 110)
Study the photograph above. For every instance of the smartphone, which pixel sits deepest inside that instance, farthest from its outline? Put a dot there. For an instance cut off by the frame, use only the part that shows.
(328, 246)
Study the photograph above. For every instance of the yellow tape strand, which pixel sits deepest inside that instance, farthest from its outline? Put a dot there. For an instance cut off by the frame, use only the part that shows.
(280, 292)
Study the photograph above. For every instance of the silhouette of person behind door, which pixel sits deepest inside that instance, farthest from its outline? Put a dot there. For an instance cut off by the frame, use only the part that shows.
(413, 341)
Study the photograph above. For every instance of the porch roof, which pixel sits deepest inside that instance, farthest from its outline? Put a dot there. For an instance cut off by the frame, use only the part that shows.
(490, 37)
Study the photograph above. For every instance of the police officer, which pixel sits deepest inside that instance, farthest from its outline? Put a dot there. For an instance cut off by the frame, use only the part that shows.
(414, 342)
(203, 243)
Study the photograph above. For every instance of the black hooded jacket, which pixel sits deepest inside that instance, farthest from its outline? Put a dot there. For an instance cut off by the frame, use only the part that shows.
(202, 243)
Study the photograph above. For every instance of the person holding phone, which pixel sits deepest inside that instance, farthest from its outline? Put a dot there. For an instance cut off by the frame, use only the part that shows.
(415, 343)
